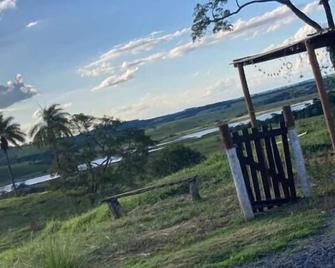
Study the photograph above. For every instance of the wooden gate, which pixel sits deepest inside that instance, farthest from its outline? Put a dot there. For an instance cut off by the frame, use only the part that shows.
(265, 161)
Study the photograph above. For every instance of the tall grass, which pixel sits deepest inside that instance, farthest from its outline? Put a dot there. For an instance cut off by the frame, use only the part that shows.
(60, 253)
(55, 251)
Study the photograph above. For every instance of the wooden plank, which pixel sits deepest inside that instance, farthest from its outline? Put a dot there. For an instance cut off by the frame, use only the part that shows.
(280, 169)
(247, 97)
(253, 171)
(239, 151)
(149, 188)
(270, 203)
(261, 161)
(257, 135)
(288, 162)
(321, 90)
(272, 167)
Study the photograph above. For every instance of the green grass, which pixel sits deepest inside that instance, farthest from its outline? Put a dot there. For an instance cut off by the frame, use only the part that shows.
(164, 228)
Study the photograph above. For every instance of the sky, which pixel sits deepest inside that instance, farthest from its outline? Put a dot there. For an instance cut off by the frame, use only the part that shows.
(135, 59)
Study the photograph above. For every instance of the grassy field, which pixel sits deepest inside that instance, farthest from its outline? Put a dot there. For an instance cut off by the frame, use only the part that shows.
(164, 228)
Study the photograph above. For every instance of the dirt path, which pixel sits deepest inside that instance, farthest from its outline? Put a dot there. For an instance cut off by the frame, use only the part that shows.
(317, 251)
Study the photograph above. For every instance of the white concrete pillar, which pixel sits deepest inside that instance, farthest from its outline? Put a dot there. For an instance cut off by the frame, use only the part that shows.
(235, 167)
(297, 152)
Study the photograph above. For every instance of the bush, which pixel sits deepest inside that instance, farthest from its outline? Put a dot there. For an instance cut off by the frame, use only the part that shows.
(174, 158)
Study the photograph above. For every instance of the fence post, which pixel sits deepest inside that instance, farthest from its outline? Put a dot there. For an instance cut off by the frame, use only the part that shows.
(115, 207)
(236, 171)
(297, 151)
(194, 189)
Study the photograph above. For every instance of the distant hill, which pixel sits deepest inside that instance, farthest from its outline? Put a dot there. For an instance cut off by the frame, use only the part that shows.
(269, 96)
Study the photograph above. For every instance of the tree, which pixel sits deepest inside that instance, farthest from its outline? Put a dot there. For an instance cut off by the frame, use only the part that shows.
(10, 133)
(107, 138)
(52, 126)
(174, 158)
(214, 14)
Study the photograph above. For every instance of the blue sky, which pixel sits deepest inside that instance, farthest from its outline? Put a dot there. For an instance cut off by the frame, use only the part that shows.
(135, 59)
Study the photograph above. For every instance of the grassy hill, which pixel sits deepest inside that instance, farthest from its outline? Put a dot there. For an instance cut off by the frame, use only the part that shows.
(164, 228)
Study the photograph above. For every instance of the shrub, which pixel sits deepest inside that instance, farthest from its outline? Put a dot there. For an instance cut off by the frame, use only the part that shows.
(174, 158)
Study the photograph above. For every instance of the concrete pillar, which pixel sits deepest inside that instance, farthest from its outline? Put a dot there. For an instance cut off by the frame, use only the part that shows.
(236, 171)
(297, 152)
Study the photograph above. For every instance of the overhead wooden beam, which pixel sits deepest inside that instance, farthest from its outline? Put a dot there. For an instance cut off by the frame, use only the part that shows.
(323, 39)
(247, 97)
(322, 91)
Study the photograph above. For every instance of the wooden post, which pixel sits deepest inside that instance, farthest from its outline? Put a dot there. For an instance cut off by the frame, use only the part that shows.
(322, 91)
(247, 97)
(194, 189)
(115, 207)
(236, 171)
(297, 151)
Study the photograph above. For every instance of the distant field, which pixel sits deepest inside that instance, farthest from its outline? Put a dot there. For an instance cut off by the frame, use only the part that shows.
(204, 117)
(173, 130)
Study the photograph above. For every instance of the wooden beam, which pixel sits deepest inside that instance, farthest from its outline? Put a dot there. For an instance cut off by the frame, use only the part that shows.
(322, 91)
(247, 97)
(149, 188)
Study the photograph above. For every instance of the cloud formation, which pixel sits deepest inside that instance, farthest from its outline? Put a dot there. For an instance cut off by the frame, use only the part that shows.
(32, 24)
(119, 73)
(150, 106)
(114, 80)
(15, 91)
(7, 4)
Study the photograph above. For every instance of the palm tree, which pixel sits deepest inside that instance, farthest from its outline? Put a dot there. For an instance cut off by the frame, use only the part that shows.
(52, 126)
(10, 133)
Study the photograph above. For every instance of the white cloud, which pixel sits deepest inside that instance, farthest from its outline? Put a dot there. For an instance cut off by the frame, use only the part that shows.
(32, 24)
(115, 80)
(150, 106)
(7, 4)
(268, 22)
(66, 105)
(136, 46)
(36, 114)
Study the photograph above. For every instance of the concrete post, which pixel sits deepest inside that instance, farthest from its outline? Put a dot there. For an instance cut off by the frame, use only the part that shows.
(297, 152)
(236, 171)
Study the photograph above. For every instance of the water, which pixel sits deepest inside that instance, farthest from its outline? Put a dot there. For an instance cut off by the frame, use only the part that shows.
(196, 135)
(201, 133)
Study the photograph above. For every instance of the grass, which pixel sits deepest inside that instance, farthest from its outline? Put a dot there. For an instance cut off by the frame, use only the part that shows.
(164, 228)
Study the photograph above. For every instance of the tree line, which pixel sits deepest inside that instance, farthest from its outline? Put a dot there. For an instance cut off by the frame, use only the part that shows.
(84, 147)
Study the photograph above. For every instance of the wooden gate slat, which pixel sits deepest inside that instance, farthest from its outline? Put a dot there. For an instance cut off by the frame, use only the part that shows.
(244, 169)
(274, 175)
(260, 157)
(253, 171)
(288, 161)
(280, 168)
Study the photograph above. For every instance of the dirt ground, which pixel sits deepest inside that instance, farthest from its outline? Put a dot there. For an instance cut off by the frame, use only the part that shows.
(317, 251)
